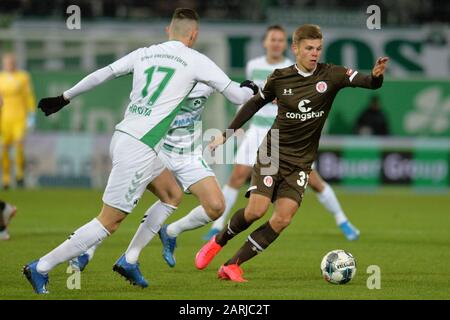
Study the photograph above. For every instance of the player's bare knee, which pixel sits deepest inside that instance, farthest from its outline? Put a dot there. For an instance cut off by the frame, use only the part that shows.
(175, 197)
(239, 176)
(112, 227)
(172, 196)
(111, 218)
(315, 187)
(109, 224)
(315, 182)
(280, 222)
(252, 214)
(215, 208)
(237, 181)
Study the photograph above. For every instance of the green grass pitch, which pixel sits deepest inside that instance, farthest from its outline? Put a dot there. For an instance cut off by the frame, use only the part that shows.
(406, 234)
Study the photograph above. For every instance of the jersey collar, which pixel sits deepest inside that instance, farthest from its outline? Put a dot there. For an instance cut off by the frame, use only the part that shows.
(305, 74)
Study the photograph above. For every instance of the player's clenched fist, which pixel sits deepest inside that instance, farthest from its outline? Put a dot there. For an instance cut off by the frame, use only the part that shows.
(52, 104)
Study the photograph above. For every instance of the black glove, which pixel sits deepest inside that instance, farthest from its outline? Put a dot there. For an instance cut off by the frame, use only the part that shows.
(250, 84)
(52, 104)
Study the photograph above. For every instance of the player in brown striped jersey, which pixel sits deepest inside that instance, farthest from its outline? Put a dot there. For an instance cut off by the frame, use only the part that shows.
(305, 93)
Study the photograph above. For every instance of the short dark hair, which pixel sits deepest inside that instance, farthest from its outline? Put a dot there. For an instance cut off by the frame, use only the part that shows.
(273, 27)
(306, 31)
(185, 13)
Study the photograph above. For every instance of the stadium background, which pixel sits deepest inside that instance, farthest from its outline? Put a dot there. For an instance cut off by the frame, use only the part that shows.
(70, 149)
(415, 97)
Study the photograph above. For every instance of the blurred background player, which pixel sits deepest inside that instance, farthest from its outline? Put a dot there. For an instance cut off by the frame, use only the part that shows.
(7, 212)
(16, 115)
(258, 69)
(372, 121)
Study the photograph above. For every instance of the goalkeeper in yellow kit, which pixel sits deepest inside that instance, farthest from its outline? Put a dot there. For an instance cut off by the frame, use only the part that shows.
(17, 107)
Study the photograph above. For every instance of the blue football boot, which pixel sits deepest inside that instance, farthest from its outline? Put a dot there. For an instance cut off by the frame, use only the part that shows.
(349, 230)
(130, 272)
(211, 233)
(37, 280)
(79, 263)
(169, 244)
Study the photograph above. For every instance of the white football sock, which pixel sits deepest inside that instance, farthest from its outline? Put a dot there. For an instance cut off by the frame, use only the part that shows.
(230, 194)
(193, 220)
(91, 251)
(151, 223)
(328, 199)
(80, 241)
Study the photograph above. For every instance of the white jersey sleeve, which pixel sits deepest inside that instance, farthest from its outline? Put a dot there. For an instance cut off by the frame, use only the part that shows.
(125, 65)
(89, 82)
(201, 90)
(210, 74)
(237, 94)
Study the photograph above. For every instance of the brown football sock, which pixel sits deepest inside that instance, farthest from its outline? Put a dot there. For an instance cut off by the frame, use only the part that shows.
(236, 225)
(256, 242)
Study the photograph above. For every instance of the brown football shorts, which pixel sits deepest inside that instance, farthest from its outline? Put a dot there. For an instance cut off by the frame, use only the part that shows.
(288, 182)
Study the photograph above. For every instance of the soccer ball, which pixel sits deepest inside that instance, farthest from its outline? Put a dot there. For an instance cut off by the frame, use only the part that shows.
(338, 267)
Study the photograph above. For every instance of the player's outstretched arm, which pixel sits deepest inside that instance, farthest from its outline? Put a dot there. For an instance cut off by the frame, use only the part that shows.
(252, 106)
(352, 78)
(51, 105)
(240, 93)
(245, 113)
(210, 74)
(376, 77)
(380, 66)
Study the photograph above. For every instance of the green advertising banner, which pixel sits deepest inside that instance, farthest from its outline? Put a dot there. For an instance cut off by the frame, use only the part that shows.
(412, 108)
(372, 162)
(362, 167)
(432, 168)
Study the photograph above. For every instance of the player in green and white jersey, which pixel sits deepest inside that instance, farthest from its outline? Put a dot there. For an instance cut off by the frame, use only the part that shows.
(181, 153)
(163, 76)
